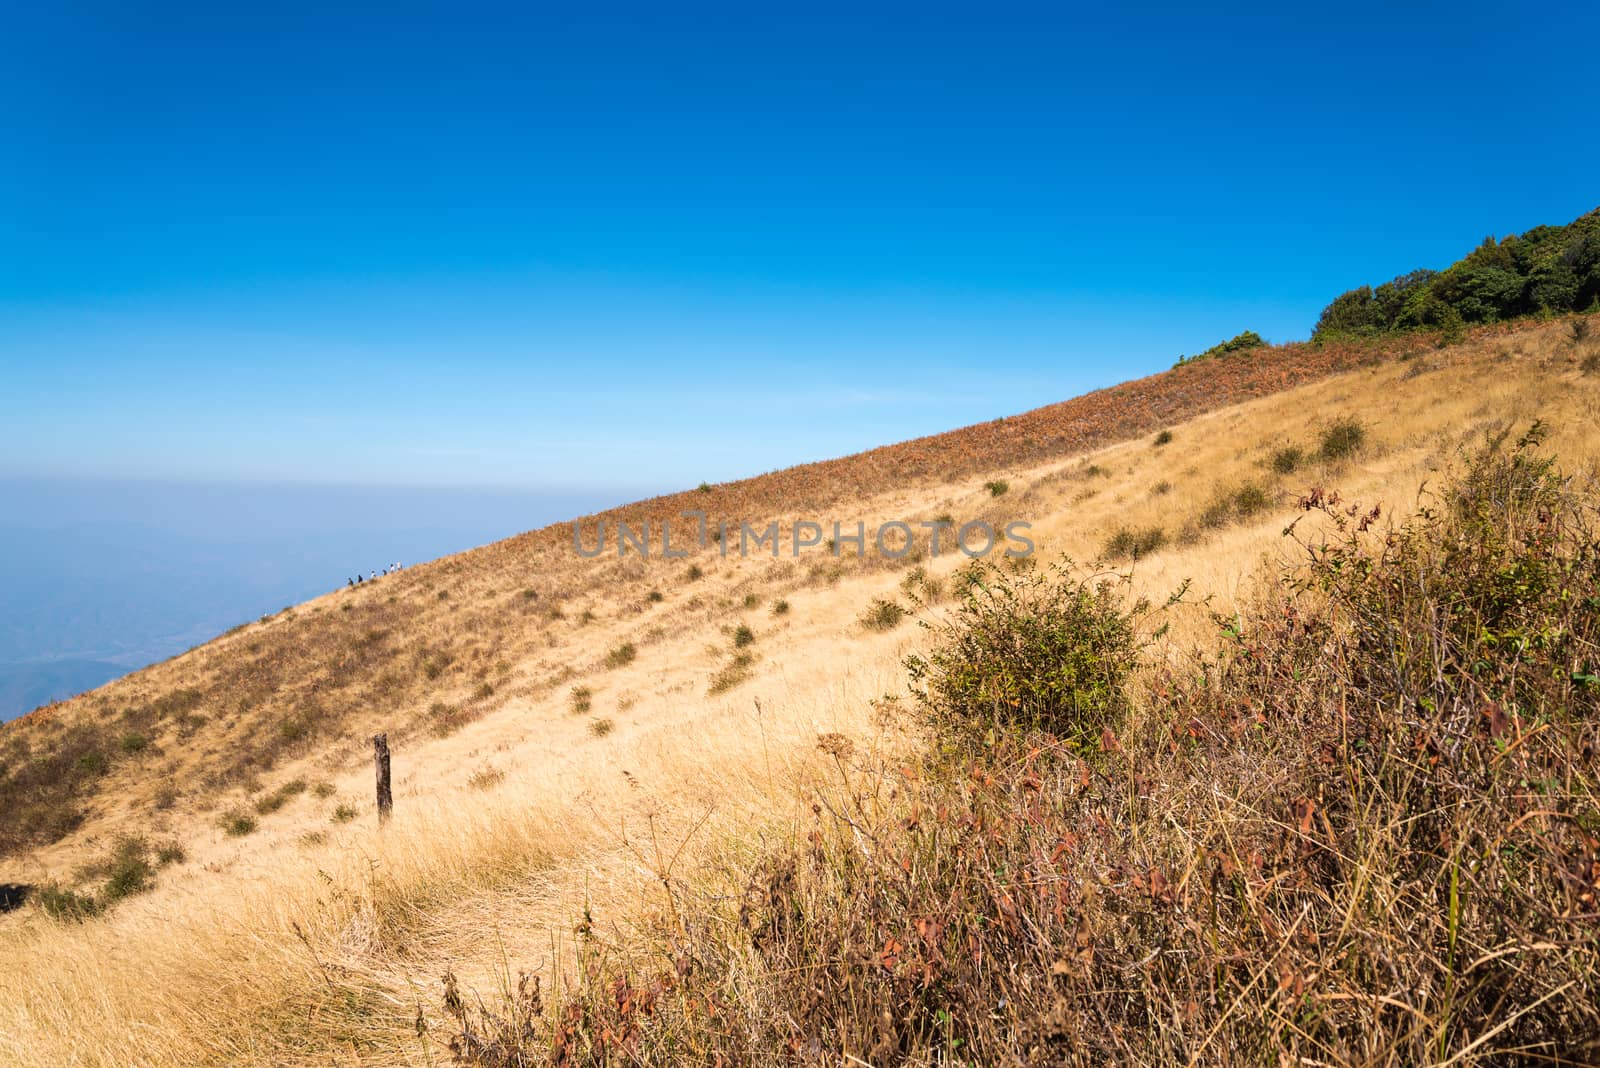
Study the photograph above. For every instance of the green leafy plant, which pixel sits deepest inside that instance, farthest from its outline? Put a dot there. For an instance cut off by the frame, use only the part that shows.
(1048, 650)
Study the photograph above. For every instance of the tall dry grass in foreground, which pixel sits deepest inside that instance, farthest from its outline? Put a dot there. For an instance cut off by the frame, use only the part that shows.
(1367, 832)
(331, 955)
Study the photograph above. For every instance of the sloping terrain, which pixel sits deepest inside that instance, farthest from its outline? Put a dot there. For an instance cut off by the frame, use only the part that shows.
(466, 631)
(572, 734)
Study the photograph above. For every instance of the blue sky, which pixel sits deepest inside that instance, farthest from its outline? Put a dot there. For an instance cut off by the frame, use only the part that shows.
(480, 247)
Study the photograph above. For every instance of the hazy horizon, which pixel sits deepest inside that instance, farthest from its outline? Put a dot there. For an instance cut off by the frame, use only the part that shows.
(101, 577)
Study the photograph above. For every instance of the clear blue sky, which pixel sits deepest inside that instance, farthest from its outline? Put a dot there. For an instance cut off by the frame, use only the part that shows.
(482, 247)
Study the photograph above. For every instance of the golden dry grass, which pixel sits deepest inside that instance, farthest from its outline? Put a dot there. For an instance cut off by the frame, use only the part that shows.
(283, 948)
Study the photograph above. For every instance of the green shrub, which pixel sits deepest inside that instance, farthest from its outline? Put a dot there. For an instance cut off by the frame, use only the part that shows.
(738, 669)
(997, 488)
(272, 802)
(1343, 438)
(1239, 502)
(1128, 544)
(883, 614)
(131, 871)
(1287, 460)
(61, 903)
(1036, 651)
(743, 636)
(582, 699)
(1163, 438)
(622, 655)
(236, 823)
(1238, 343)
(780, 607)
(655, 597)
(134, 742)
(1251, 499)
(922, 588)
(344, 813)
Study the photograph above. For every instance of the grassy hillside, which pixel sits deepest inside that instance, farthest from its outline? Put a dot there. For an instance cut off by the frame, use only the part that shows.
(448, 642)
(665, 773)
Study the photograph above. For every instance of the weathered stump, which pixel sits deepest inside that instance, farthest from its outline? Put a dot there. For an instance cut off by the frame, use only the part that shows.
(380, 762)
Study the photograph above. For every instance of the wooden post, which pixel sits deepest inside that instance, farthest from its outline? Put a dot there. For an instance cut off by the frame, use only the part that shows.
(380, 762)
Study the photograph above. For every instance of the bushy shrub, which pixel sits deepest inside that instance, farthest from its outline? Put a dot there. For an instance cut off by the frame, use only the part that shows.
(883, 614)
(1287, 460)
(269, 803)
(997, 488)
(922, 588)
(1235, 503)
(61, 903)
(743, 636)
(1343, 438)
(1129, 544)
(1238, 343)
(622, 655)
(1045, 651)
(236, 823)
